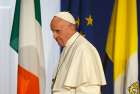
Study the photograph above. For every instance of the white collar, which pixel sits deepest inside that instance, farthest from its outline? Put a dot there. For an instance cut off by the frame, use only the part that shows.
(72, 39)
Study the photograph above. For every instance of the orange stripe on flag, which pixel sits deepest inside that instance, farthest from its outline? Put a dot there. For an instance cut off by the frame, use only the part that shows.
(28, 83)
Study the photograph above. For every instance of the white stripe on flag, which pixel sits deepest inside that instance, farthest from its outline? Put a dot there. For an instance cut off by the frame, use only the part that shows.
(51, 48)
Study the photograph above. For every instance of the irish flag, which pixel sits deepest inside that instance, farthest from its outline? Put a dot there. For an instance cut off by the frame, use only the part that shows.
(26, 40)
(122, 46)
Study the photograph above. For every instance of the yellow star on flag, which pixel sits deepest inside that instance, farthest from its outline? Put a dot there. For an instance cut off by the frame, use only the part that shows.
(82, 33)
(77, 21)
(89, 20)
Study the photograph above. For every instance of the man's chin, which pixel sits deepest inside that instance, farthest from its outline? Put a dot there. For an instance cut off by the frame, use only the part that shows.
(61, 45)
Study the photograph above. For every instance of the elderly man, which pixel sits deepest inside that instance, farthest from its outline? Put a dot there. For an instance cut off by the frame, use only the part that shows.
(79, 70)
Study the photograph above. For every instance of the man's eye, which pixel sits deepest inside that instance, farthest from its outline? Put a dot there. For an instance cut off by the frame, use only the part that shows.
(57, 30)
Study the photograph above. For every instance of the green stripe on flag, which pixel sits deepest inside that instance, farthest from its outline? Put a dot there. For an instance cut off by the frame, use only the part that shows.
(37, 11)
(14, 40)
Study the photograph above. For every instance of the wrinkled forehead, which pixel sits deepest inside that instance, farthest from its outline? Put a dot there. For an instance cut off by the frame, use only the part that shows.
(57, 23)
(56, 19)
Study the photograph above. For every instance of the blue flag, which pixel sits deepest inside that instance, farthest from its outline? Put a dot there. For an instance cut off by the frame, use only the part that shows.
(92, 19)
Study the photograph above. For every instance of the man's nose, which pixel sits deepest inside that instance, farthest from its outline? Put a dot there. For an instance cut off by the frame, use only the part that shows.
(55, 35)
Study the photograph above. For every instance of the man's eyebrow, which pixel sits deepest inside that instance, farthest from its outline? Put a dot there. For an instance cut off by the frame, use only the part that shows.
(55, 29)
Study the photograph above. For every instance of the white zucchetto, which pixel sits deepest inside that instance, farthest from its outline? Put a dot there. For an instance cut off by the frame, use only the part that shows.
(66, 16)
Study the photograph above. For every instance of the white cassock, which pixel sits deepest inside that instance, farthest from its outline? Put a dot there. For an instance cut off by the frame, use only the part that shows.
(80, 70)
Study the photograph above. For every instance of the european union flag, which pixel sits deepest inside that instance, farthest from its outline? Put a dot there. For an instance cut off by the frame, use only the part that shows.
(92, 19)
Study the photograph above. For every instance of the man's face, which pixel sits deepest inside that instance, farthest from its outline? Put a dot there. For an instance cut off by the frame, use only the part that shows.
(60, 31)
